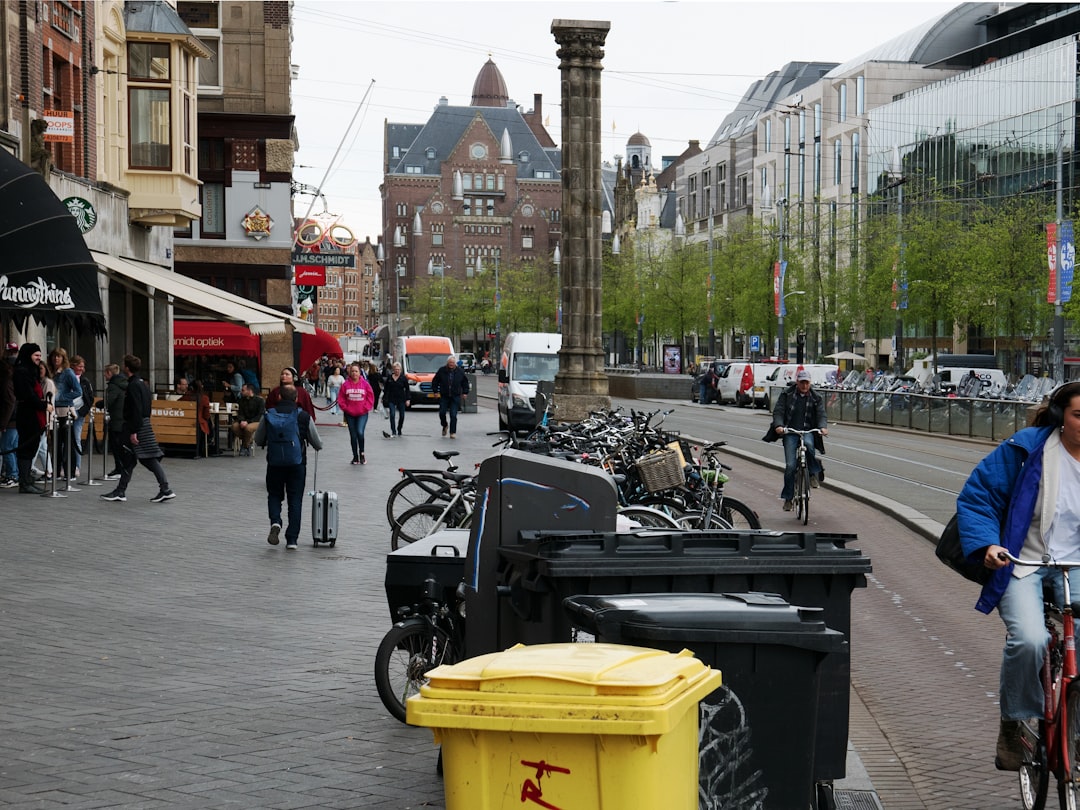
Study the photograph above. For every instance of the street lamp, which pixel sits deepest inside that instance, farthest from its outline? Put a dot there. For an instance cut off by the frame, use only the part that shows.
(432, 269)
(498, 321)
(399, 271)
(781, 337)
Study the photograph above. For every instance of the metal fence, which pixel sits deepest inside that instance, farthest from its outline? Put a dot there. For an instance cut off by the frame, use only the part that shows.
(954, 416)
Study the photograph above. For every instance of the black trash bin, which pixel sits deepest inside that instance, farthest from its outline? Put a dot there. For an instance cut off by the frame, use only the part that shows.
(758, 729)
(537, 570)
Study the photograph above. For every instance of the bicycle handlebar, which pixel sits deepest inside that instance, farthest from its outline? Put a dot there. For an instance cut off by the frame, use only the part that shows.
(1047, 561)
(801, 432)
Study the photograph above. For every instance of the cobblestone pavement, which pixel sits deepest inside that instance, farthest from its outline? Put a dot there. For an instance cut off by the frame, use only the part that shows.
(164, 655)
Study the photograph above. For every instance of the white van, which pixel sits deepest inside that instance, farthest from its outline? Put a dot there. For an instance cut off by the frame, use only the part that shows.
(527, 358)
(951, 374)
(420, 357)
(819, 372)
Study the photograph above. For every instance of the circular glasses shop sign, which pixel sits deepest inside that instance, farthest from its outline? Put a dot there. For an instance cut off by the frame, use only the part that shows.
(84, 213)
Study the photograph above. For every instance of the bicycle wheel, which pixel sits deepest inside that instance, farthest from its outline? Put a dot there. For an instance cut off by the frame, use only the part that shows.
(738, 514)
(649, 518)
(672, 507)
(696, 520)
(404, 657)
(1035, 775)
(802, 496)
(1069, 791)
(413, 490)
(416, 523)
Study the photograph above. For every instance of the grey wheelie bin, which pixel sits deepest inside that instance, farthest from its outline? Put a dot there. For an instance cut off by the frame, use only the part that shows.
(533, 572)
(757, 737)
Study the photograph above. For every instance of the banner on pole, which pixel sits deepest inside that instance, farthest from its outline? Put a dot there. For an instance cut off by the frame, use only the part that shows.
(1051, 259)
(1068, 259)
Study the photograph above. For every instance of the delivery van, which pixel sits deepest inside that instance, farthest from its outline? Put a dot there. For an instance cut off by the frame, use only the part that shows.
(420, 357)
(527, 358)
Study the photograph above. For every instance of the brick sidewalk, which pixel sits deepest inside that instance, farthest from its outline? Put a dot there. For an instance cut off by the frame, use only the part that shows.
(164, 655)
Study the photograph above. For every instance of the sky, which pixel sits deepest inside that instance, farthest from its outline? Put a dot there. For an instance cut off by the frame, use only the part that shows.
(672, 71)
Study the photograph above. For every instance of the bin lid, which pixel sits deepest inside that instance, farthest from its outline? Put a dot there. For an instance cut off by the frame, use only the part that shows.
(564, 554)
(761, 618)
(445, 543)
(570, 688)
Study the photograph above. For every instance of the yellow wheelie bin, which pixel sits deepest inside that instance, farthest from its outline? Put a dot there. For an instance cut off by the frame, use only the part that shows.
(568, 726)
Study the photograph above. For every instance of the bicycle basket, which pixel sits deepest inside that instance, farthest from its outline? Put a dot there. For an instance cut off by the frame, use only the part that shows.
(660, 470)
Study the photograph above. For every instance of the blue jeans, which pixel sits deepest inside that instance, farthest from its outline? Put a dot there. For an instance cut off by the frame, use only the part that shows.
(449, 405)
(357, 426)
(1021, 609)
(791, 459)
(703, 396)
(9, 440)
(286, 483)
(397, 417)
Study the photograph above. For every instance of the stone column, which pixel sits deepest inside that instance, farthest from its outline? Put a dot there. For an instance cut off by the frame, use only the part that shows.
(581, 384)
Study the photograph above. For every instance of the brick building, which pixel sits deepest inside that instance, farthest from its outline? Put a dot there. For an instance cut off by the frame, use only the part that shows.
(481, 180)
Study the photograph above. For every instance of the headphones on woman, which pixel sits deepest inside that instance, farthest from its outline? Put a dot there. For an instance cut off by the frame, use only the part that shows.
(1058, 399)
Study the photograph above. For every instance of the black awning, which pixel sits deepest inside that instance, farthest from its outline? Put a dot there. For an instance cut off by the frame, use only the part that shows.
(46, 270)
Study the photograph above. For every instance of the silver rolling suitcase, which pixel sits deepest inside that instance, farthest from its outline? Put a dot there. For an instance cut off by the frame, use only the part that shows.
(324, 513)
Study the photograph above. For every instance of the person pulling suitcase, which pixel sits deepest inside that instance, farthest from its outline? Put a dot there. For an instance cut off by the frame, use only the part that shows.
(285, 432)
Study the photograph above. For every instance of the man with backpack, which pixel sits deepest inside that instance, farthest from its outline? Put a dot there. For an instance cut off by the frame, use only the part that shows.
(284, 432)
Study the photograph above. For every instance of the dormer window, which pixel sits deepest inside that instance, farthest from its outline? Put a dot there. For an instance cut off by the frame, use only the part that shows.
(430, 153)
(523, 157)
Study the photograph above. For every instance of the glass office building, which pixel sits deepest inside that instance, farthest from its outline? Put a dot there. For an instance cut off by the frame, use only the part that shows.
(990, 131)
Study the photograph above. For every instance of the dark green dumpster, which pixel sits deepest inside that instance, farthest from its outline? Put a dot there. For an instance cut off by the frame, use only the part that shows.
(757, 737)
(536, 570)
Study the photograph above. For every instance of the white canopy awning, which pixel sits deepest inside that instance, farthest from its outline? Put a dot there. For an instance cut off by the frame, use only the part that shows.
(196, 296)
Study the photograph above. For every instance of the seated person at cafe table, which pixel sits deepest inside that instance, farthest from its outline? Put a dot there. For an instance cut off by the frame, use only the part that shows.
(182, 391)
(249, 410)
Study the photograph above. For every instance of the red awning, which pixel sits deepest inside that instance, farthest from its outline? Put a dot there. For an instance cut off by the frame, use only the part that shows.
(312, 347)
(213, 337)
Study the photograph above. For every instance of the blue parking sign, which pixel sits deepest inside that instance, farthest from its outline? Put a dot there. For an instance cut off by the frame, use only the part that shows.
(755, 343)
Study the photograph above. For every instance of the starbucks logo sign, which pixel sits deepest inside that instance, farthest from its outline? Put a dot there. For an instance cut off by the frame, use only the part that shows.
(84, 213)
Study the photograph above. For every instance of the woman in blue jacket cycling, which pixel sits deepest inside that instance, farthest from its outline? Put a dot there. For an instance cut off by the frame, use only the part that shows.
(1024, 497)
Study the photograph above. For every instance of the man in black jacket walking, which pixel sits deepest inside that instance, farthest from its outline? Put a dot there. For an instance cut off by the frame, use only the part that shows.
(140, 444)
(451, 384)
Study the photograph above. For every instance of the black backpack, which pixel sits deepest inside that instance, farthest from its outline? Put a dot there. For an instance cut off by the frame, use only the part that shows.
(283, 443)
(87, 396)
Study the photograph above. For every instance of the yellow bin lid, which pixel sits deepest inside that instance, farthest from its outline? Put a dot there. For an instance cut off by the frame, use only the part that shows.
(568, 688)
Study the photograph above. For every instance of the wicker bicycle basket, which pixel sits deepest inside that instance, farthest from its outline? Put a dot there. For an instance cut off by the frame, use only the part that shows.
(660, 470)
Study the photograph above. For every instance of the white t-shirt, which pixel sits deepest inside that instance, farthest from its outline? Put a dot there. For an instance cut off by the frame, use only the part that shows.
(1063, 541)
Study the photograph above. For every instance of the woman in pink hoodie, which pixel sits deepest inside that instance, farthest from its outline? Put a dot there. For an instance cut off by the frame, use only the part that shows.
(356, 399)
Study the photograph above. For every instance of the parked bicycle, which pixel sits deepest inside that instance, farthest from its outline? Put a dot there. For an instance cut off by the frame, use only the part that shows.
(419, 486)
(1053, 746)
(428, 634)
(712, 508)
(802, 476)
(448, 509)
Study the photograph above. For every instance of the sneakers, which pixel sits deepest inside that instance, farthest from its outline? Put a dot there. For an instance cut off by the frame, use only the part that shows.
(275, 533)
(355, 461)
(245, 451)
(386, 435)
(814, 482)
(114, 496)
(444, 429)
(8, 483)
(787, 506)
(164, 495)
(113, 476)
(30, 488)
(453, 435)
(290, 546)
(1010, 747)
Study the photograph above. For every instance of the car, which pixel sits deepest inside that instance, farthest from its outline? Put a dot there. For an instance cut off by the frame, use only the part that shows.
(467, 361)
